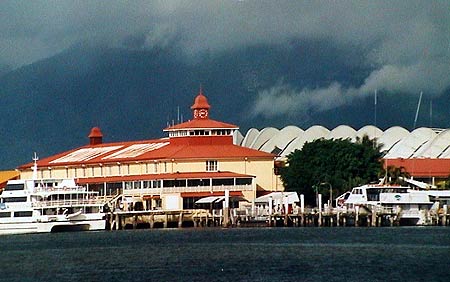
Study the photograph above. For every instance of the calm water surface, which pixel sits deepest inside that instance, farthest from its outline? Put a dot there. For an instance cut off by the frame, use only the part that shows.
(263, 254)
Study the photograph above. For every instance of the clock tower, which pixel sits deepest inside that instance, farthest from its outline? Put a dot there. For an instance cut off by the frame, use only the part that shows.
(201, 130)
(201, 107)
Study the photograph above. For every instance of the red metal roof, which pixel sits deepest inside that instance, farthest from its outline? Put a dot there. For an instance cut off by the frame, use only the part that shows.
(175, 148)
(422, 167)
(163, 176)
(147, 150)
(200, 102)
(202, 124)
(95, 133)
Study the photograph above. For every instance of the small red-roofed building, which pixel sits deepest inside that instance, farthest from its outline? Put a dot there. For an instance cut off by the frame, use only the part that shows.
(198, 159)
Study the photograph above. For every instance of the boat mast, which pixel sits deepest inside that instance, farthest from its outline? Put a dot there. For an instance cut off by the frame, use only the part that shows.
(417, 111)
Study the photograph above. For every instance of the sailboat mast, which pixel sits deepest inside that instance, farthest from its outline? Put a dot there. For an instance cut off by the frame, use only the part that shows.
(417, 111)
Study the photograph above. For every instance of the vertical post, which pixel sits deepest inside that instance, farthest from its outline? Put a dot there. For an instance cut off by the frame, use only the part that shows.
(320, 208)
(180, 220)
(444, 217)
(270, 210)
(286, 210)
(356, 216)
(302, 203)
(302, 209)
(166, 219)
(152, 220)
(374, 216)
(226, 210)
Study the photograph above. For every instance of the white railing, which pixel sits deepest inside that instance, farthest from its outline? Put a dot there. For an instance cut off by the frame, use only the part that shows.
(59, 189)
(221, 188)
(58, 203)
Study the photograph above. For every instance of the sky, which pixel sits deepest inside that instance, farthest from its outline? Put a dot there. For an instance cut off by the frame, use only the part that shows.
(405, 44)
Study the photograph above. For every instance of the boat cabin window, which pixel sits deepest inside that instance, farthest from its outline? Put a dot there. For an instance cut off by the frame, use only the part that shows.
(14, 187)
(5, 214)
(357, 191)
(14, 199)
(373, 195)
(23, 214)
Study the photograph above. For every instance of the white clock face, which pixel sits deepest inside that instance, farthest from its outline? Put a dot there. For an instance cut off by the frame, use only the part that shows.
(195, 113)
(202, 113)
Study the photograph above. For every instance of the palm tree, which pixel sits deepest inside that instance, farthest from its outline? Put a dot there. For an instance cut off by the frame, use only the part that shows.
(395, 175)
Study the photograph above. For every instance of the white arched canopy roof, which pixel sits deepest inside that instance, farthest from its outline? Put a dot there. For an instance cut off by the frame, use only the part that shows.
(392, 136)
(282, 139)
(435, 147)
(342, 132)
(411, 143)
(250, 136)
(313, 133)
(237, 137)
(264, 135)
(370, 131)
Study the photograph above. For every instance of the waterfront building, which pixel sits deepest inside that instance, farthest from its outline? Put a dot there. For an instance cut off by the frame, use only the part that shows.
(197, 159)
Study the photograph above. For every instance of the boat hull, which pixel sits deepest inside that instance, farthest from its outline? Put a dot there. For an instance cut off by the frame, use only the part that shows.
(54, 226)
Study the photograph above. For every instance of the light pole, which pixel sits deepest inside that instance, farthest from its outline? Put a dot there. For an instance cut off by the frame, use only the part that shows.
(331, 192)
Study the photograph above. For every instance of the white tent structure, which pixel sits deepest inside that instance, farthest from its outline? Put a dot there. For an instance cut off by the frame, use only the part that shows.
(396, 141)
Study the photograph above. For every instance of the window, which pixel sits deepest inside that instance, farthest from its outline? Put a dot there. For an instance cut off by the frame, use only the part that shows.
(156, 183)
(198, 182)
(223, 181)
(5, 214)
(243, 181)
(14, 187)
(23, 214)
(15, 199)
(211, 165)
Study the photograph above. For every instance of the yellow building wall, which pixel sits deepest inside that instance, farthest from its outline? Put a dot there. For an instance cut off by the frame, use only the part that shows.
(263, 170)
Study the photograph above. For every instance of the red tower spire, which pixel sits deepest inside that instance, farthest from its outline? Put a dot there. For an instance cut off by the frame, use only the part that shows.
(201, 106)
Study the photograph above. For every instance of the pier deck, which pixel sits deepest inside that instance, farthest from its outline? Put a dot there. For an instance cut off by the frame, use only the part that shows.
(117, 220)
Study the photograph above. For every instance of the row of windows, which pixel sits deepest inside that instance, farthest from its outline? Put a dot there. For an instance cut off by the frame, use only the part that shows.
(211, 165)
(201, 132)
(14, 199)
(14, 187)
(16, 214)
(186, 183)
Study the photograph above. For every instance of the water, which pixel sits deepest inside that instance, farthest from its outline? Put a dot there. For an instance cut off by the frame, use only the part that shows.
(263, 254)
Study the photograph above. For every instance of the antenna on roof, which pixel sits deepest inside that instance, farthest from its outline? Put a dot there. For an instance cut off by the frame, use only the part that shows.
(417, 111)
(375, 108)
(431, 113)
(35, 173)
(178, 114)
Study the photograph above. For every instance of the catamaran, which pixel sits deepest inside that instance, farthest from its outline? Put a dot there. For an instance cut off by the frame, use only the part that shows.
(412, 206)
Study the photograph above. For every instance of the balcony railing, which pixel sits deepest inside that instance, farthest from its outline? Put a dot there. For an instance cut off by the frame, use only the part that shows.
(164, 190)
(61, 203)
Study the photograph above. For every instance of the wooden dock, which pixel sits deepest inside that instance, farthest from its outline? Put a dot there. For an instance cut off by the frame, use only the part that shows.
(363, 217)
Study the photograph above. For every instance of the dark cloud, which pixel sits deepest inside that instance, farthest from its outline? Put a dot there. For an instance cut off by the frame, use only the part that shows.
(406, 43)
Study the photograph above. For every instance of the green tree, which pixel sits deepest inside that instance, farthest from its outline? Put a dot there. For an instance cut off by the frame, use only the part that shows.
(338, 164)
(395, 175)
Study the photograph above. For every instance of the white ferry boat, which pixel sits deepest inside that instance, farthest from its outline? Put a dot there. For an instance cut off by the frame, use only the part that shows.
(31, 206)
(413, 207)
